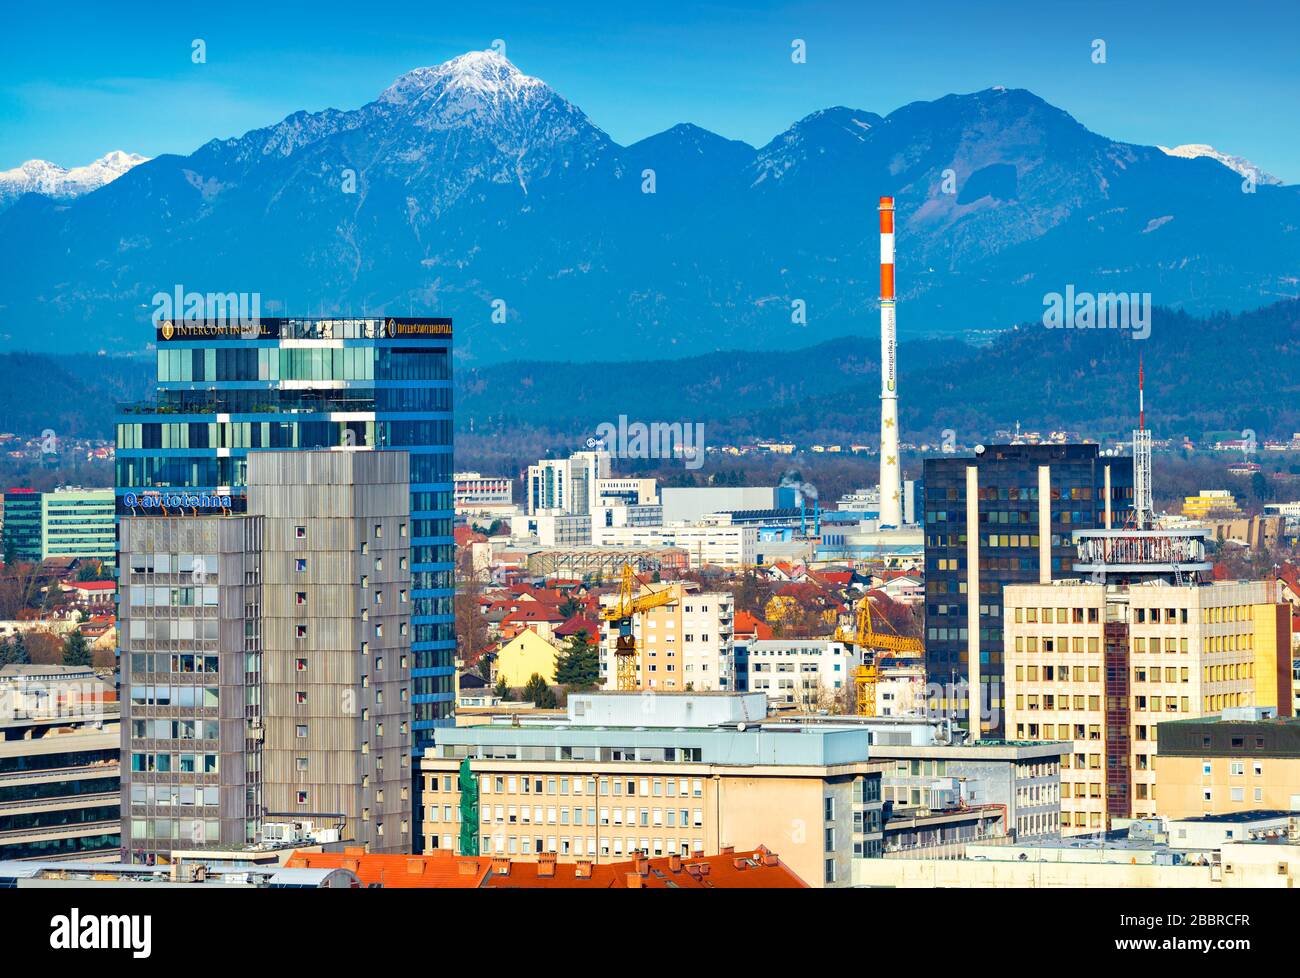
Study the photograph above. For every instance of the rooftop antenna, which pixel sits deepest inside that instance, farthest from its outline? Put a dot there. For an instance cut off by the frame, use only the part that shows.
(1142, 503)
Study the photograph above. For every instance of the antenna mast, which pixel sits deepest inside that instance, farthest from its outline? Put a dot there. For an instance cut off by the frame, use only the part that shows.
(1143, 507)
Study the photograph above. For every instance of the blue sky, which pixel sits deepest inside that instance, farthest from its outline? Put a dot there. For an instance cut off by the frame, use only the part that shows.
(78, 79)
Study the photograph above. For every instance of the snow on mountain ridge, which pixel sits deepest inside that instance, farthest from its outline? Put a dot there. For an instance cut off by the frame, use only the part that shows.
(1242, 166)
(52, 180)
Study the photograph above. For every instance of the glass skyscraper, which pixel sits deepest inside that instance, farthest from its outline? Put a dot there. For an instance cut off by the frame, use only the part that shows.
(1005, 516)
(225, 389)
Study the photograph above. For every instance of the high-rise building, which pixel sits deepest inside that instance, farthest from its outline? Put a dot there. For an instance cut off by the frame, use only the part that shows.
(266, 660)
(22, 525)
(1004, 516)
(78, 523)
(370, 383)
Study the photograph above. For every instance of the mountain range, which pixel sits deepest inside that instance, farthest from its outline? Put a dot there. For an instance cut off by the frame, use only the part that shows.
(1076, 380)
(472, 190)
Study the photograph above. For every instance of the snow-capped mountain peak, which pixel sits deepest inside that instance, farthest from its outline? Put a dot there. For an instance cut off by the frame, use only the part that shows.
(52, 180)
(488, 75)
(1192, 151)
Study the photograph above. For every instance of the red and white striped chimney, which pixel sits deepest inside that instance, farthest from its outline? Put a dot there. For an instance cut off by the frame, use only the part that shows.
(891, 486)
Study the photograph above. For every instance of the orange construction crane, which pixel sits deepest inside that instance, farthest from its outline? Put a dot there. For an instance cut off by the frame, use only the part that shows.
(871, 642)
(632, 602)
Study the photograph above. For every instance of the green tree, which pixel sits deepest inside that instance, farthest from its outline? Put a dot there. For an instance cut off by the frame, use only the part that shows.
(538, 693)
(570, 607)
(579, 664)
(76, 651)
(16, 652)
(502, 690)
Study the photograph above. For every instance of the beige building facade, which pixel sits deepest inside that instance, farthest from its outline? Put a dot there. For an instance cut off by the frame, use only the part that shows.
(1100, 666)
(686, 645)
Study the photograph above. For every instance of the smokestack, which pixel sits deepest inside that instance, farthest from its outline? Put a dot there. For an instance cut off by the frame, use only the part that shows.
(891, 488)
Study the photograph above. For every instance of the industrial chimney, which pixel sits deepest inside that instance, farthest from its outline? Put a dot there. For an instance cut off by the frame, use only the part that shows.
(891, 487)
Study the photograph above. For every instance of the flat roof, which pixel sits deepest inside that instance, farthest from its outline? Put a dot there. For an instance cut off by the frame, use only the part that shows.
(1237, 818)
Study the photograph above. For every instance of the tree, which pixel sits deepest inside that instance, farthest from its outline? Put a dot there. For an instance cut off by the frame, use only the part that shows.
(570, 607)
(502, 691)
(471, 623)
(76, 651)
(579, 664)
(537, 692)
(14, 652)
(44, 647)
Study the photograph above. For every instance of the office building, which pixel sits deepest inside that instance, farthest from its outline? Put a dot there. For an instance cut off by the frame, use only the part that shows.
(1236, 761)
(690, 503)
(368, 383)
(1102, 665)
(1209, 501)
(929, 767)
(22, 525)
(684, 645)
(59, 765)
(266, 660)
(485, 496)
(78, 523)
(566, 486)
(664, 774)
(1004, 516)
(732, 547)
(627, 492)
(551, 530)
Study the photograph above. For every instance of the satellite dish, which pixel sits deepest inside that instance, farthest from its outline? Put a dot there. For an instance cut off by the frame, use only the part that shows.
(979, 449)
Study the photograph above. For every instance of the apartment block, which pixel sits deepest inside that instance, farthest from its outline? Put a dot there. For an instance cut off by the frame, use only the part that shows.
(267, 660)
(1100, 666)
(803, 672)
(659, 774)
(685, 645)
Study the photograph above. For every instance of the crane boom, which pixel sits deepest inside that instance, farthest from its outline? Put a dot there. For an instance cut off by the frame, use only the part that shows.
(864, 636)
(631, 602)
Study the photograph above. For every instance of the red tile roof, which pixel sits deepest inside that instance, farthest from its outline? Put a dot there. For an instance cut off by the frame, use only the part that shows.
(758, 868)
(578, 624)
(439, 869)
(747, 624)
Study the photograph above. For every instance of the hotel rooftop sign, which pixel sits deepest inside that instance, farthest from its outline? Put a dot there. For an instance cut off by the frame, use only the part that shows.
(180, 330)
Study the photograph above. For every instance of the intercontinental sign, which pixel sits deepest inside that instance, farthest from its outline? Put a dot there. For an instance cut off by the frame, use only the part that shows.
(180, 330)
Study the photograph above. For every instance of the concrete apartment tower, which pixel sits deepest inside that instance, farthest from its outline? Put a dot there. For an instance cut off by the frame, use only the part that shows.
(266, 661)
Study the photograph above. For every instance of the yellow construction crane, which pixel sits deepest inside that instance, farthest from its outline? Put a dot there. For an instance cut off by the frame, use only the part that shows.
(632, 602)
(870, 641)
